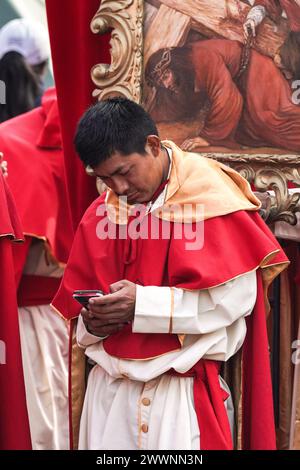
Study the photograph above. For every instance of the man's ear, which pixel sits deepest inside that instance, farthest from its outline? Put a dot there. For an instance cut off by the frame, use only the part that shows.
(153, 144)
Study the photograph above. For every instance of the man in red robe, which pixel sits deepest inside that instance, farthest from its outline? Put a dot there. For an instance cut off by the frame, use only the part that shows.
(14, 426)
(255, 109)
(287, 57)
(183, 257)
(32, 146)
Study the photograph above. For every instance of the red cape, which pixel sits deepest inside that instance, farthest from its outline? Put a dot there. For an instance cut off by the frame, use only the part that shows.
(234, 244)
(31, 144)
(14, 425)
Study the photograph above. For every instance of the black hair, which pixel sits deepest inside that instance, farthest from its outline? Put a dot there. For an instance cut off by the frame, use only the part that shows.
(113, 125)
(22, 85)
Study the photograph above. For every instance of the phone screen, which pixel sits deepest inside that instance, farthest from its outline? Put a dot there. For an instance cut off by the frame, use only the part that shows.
(83, 296)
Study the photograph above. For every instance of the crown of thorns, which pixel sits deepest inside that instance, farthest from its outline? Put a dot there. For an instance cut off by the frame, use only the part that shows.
(159, 68)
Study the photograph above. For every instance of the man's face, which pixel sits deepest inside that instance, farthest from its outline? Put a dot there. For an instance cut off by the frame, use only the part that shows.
(179, 83)
(135, 176)
(169, 81)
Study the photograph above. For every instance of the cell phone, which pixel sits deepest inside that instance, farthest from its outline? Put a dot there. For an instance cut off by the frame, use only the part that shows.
(83, 296)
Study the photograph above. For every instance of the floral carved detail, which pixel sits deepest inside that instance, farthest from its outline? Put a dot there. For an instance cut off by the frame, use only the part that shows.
(270, 175)
(124, 75)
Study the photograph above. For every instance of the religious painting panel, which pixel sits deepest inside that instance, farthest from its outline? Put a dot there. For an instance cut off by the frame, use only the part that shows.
(219, 77)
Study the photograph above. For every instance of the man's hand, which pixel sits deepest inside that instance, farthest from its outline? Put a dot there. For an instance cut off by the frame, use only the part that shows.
(96, 327)
(3, 165)
(248, 26)
(109, 314)
(197, 143)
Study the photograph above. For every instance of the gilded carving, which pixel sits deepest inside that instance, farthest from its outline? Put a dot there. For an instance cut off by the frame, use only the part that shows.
(123, 75)
(270, 175)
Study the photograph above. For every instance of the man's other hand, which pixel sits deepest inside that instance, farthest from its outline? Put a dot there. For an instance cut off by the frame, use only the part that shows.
(197, 143)
(248, 26)
(108, 314)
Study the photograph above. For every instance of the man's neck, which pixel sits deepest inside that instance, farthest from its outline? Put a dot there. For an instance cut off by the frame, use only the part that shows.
(166, 161)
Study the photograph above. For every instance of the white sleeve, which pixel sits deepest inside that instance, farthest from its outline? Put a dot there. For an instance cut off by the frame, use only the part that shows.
(83, 337)
(257, 14)
(172, 310)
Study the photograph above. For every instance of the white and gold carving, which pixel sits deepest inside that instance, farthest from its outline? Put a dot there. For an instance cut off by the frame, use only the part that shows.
(270, 175)
(124, 75)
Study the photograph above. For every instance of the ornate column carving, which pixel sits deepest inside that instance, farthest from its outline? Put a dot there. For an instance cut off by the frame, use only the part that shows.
(124, 75)
(270, 175)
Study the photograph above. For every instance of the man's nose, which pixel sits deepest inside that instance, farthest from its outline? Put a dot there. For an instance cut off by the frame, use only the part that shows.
(121, 187)
(167, 82)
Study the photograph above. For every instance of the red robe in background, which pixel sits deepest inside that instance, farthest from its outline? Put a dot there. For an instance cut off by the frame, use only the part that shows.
(14, 426)
(32, 147)
(257, 112)
(31, 144)
(276, 7)
(75, 50)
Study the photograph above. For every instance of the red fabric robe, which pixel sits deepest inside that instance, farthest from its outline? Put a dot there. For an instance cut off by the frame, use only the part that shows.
(31, 144)
(14, 425)
(96, 263)
(276, 7)
(258, 111)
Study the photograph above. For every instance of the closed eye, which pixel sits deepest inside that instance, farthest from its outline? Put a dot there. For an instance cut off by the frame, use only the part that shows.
(116, 173)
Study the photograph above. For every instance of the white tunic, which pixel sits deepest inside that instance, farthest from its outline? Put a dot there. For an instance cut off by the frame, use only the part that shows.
(44, 344)
(131, 404)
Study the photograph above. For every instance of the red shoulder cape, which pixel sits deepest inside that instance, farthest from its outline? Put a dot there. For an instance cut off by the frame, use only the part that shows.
(31, 144)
